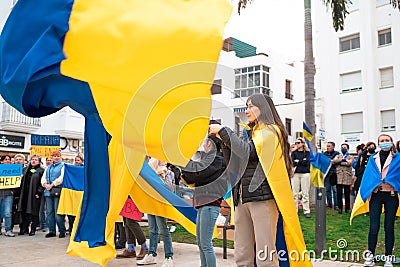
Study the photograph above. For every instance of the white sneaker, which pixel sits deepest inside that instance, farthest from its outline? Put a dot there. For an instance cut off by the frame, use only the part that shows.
(147, 260)
(369, 260)
(168, 262)
(9, 233)
(388, 262)
(172, 228)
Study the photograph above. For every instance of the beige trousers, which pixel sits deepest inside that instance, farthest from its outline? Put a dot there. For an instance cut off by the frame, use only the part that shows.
(301, 180)
(256, 223)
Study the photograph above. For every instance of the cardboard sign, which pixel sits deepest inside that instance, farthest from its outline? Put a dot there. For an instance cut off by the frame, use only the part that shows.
(131, 211)
(44, 145)
(10, 175)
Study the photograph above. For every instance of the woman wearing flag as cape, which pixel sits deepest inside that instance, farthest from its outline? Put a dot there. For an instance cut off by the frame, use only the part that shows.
(380, 186)
(262, 194)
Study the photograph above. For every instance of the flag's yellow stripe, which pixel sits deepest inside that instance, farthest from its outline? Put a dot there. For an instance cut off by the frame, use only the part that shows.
(273, 164)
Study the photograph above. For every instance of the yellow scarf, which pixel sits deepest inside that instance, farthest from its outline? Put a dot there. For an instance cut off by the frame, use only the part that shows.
(269, 152)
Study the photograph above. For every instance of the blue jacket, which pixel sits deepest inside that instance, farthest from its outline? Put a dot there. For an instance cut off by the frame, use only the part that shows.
(54, 173)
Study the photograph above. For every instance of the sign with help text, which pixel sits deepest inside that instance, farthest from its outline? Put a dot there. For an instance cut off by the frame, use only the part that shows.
(10, 175)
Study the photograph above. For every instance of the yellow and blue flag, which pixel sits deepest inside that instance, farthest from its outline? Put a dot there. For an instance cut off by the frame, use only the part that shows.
(319, 163)
(143, 86)
(72, 192)
(307, 134)
(372, 178)
(319, 167)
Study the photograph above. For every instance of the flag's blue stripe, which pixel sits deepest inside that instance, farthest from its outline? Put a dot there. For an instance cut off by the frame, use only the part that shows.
(31, 49)
(372, 176)
(320, 162)
(307, 129)
(281, 244)
(74, 177)
(149, 175)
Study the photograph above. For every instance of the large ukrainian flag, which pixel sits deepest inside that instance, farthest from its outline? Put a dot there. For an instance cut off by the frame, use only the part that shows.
(132, 69)
(372, 178)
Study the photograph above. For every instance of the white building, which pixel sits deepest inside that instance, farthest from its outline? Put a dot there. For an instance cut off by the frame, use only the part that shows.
(242, 72)
(5, 9)
(356, 81)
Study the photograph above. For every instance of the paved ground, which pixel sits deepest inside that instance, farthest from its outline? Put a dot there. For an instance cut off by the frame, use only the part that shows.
(26, 251)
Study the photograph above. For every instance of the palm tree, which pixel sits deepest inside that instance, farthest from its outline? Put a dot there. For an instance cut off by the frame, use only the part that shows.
(339, 12)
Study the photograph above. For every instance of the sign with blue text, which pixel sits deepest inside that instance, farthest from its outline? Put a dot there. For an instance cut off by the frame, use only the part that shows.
(10, 175)
(44, 145)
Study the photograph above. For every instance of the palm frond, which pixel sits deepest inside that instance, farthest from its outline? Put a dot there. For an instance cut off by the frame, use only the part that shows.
(395, 3)
(339, 11)
(242, 4)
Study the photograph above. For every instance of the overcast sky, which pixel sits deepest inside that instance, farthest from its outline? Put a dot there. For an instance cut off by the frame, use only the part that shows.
(271, 25)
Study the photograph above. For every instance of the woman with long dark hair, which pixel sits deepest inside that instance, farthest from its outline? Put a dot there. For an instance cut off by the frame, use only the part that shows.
(262, 193)
(31, 194)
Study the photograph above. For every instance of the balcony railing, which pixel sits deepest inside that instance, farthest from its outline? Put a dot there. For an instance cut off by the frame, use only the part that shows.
(11, 116)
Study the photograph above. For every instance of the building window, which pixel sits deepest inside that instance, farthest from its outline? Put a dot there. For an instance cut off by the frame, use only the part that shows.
(386, 77)
(352, 122)
(252, 80)
(288, 90)
(388, 120)
(351, 82)
(350, 43)
(288, 123)
(385, 37)
(216, 88)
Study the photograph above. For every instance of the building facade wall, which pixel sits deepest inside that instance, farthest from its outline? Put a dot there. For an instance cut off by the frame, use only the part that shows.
(224, 104)
(365, 19)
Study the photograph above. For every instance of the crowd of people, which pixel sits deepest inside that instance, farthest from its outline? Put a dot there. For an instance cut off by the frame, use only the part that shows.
(257, 170)
(33, 206)
(345, 178)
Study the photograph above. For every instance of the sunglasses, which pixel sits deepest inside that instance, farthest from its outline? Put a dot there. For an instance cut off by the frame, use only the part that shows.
(298, 142)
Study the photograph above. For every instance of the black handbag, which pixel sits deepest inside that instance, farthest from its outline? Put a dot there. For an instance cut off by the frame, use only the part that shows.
(55, 191)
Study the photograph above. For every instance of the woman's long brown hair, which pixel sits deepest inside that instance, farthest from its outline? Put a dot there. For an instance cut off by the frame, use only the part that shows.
(269, 115)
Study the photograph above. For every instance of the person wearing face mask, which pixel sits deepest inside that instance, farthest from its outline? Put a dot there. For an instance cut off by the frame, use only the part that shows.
(381, 184)
(344, 177)
(361, 164)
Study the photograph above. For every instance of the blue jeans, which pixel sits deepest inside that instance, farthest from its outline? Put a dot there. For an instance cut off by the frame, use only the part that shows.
(52, 216)
(205, 223)
(159, 223)
(329, 188)
(6, 203)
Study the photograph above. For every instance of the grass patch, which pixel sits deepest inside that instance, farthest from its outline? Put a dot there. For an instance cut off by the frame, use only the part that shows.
(337, 227)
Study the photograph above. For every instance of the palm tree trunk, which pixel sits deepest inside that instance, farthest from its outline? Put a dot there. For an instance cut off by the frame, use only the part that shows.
(309, 71)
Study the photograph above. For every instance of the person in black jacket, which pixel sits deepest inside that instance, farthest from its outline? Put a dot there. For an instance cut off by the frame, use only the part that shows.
(330, 180)
(31, 194)
(256, 211)
(209, 178)
(361, 164)
(301, 177)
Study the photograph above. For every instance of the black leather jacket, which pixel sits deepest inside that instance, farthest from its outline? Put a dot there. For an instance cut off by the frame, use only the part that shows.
(243, 165)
